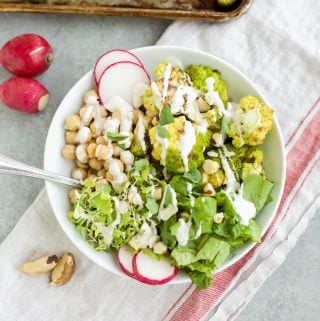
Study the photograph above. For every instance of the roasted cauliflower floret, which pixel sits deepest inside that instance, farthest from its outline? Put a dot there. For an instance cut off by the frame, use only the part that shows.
(172, 159)
(253, 123)
(199, 74)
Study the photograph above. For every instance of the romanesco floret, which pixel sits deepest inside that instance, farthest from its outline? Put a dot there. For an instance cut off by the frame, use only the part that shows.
(148, 100)
(172, 159)
(199, 74)
(177, 77)
(217, 179)
(252, 162)
(212, 118)
(255, 121)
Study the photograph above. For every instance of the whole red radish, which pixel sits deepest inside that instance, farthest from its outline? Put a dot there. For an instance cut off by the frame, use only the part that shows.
(24, 94)
(27, 55)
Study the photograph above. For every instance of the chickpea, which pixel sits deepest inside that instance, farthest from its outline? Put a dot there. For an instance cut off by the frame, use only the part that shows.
(116, 167)
(117, 113)
(91, 176)
(116, 149)
(157, 193)
(160, 248)
(92, 171)
(91, 150)
(91, 97)
(95, 163)
(109, 176)
(86, 114)
(217, 139)
(210, 166)
(205, 177)
(112, 124)
(101, 173)
(101, 181)
(71, 137)
(95, 132)
(82, 165)
(81, 153)
(102, 112)
(209, 190)
(127, 157)
(73, 195)
(101, 141)
(79, 174)
(218, 218)
(84, 135)
(73, 122)
(68, 152)
(153, 240)
(104, 152)
(106, 165)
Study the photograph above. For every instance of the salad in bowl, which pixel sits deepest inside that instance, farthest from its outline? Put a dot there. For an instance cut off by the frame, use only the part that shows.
(172, 167)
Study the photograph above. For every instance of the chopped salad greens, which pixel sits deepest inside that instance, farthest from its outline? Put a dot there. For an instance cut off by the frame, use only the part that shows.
(197, 182)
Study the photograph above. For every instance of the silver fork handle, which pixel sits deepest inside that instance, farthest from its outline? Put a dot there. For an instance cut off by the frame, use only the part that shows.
(12, 167)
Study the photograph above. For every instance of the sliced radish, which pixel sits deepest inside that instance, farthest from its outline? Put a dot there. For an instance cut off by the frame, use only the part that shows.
(120, 79)
(152, 272)
(125, 257)
(111, 57)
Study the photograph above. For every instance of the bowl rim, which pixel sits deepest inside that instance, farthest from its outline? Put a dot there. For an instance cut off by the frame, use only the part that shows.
(250, 245)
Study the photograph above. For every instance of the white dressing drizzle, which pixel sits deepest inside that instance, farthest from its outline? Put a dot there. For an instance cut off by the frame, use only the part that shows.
(141, 131)
(157, 94)
(183, 231)
(187, 141)
(146, 235)
(120, 107)
(245, 209)
(198, 232)
(165, 212)
(191, 197)
(107, 231)
(164, 142)
(83, 135)
(166, 77)
(212, 97)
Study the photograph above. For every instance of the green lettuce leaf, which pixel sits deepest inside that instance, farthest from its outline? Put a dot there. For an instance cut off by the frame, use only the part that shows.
(203, 212)
(199, 279)
(256, 189)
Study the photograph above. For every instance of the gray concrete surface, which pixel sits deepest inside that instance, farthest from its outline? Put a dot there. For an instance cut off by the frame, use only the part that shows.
(293, 291)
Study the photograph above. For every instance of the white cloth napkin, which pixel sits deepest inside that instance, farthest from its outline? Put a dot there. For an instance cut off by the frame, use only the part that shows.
(275, 44)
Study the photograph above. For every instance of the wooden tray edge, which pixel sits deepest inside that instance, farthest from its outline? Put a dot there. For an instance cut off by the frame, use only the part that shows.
(209, 15)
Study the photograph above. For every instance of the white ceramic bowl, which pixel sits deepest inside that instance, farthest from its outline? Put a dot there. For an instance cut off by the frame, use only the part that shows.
(238, 84)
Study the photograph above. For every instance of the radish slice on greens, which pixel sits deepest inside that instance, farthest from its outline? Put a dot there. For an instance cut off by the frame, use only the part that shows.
(111, 57)
(119, 79)
(153, 272)
(125, 257)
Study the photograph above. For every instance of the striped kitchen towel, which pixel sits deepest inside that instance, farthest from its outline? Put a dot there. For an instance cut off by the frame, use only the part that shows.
(276, 45)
